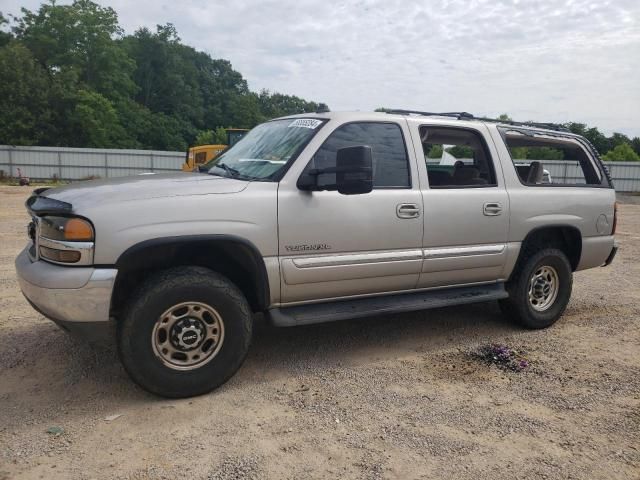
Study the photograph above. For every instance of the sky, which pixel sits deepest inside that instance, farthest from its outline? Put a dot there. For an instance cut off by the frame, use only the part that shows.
(542, 60)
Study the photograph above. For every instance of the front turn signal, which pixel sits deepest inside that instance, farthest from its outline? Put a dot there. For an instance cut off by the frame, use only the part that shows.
(78, 230)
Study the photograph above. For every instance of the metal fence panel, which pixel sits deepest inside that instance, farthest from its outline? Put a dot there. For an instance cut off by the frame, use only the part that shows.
(46, 163)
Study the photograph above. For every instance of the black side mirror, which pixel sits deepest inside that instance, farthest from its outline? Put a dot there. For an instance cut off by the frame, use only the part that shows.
(354, 173)
(354, 170)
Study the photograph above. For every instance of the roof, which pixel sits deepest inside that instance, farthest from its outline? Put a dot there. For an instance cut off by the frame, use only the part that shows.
(446, 118)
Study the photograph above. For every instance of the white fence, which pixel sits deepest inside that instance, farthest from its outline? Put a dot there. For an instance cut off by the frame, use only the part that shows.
(46, 163)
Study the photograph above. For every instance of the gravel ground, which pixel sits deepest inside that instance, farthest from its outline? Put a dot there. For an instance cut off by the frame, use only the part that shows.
(399, 396)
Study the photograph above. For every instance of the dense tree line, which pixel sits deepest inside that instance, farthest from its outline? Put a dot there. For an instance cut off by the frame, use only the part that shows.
(70, 77)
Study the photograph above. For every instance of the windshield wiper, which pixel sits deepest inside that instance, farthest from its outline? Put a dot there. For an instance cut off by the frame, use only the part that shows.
(231, 172)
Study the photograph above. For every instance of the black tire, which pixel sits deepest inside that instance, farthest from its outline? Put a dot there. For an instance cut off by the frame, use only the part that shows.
(159, 294)
(519, 307)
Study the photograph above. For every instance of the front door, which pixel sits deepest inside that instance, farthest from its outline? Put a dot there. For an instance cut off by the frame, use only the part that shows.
(333, 245)
(466, 206)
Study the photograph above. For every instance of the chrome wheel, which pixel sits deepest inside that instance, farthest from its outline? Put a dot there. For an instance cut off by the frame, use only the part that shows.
(188, 335)
(543, 288)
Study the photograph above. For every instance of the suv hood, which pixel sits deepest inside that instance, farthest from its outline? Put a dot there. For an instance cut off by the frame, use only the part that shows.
(145, 186)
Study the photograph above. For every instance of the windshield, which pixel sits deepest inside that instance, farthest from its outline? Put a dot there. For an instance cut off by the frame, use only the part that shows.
(265, 150)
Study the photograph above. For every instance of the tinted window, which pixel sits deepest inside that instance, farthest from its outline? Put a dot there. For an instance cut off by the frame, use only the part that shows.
(389, 155)
(456, 158)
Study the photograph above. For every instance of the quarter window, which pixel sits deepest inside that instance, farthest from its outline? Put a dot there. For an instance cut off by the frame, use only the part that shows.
(545, 160)
(456, 158)
(389, 155)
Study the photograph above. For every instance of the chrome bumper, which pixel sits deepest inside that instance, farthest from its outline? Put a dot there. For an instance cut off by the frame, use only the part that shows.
(66, 294)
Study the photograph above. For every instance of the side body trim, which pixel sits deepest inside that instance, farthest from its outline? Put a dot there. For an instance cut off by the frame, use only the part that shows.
(357, 259)
(464, 251)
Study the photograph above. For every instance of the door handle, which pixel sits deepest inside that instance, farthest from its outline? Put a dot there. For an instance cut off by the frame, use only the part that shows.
(408, 210)
(491, 209)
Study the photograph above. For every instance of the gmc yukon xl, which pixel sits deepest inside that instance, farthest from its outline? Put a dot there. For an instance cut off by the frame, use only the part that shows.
(315, 218)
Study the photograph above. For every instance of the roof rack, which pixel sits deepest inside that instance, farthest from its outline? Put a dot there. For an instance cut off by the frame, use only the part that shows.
(469, 116)
(457, 115)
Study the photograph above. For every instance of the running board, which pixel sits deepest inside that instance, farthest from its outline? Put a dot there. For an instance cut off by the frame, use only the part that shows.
(365, 307)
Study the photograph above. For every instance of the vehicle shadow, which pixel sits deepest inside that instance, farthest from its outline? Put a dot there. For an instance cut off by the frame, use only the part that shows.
(285, 351)
(41, 364)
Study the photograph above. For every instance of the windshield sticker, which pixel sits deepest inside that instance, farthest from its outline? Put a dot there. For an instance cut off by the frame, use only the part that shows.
(305, 123)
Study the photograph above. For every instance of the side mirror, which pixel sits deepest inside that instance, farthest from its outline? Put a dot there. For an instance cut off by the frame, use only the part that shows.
(354, 170)
(354, 173)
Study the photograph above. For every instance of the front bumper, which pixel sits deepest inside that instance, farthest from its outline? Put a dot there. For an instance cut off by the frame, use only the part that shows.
(67, 295)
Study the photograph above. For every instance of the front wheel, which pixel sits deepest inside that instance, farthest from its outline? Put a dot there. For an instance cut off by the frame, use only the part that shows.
(540, 289)
(184, 332)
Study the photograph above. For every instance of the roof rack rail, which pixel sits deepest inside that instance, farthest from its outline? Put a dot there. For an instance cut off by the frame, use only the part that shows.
(548, 126)
(469, 116)
(458, 115)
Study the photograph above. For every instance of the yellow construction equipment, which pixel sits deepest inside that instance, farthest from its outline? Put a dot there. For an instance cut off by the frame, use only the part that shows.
(201, 154)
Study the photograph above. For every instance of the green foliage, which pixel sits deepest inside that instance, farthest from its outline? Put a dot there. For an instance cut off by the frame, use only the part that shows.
(24, 111)
(622, 152)
(460, 151)
(69, 77)
(435, 151)
(211, 137)
(220, 137)
(5, 36)
(519, 153)
(536, 153)
(95, 121)
(545, 153)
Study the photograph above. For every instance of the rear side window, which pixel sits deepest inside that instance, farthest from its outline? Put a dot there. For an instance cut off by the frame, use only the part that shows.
(456, 158)
(389, 154)
(541, 160)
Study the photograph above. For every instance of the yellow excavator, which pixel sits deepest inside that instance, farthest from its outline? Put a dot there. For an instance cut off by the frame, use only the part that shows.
(201, 154)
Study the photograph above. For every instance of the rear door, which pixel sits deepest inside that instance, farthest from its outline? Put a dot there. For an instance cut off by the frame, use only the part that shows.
(466, 206)
(333, 245)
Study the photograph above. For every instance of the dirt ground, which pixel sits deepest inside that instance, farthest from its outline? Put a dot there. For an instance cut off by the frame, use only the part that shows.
(391, 397)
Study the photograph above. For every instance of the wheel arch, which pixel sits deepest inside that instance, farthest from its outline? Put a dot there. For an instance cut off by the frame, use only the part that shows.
(567, 238)
(235, 257)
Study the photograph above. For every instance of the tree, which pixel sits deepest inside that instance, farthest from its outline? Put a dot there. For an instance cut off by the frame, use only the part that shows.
(24, 110)
(277, 105)
(5, 36)
(621, 153)
(95, 122)
(80, 37)
(69, 77)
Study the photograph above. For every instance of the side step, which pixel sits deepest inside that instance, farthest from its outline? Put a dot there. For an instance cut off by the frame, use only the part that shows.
(365, 307)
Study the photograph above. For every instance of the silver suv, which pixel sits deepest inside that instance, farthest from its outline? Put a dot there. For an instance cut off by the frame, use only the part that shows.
(315, 218)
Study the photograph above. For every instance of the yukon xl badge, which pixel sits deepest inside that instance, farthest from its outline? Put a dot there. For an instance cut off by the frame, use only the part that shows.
(307, 248)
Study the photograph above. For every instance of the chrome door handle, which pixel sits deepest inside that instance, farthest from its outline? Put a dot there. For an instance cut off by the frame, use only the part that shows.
(491, 209)
(408, 210)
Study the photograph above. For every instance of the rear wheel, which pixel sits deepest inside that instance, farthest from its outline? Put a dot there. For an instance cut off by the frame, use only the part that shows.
(540, 289)
(184, 332)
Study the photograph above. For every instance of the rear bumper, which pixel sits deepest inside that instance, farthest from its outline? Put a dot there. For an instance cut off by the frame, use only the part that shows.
(67, 295)
(611, 256)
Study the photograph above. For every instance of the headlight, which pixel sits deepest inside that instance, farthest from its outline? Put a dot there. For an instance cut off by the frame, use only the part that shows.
(66, 229)
(65, 240)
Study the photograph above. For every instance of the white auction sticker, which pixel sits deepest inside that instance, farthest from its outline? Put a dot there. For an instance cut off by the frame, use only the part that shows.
(305, 123)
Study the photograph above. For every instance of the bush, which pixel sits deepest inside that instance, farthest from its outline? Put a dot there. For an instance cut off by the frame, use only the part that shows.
(621, 153)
